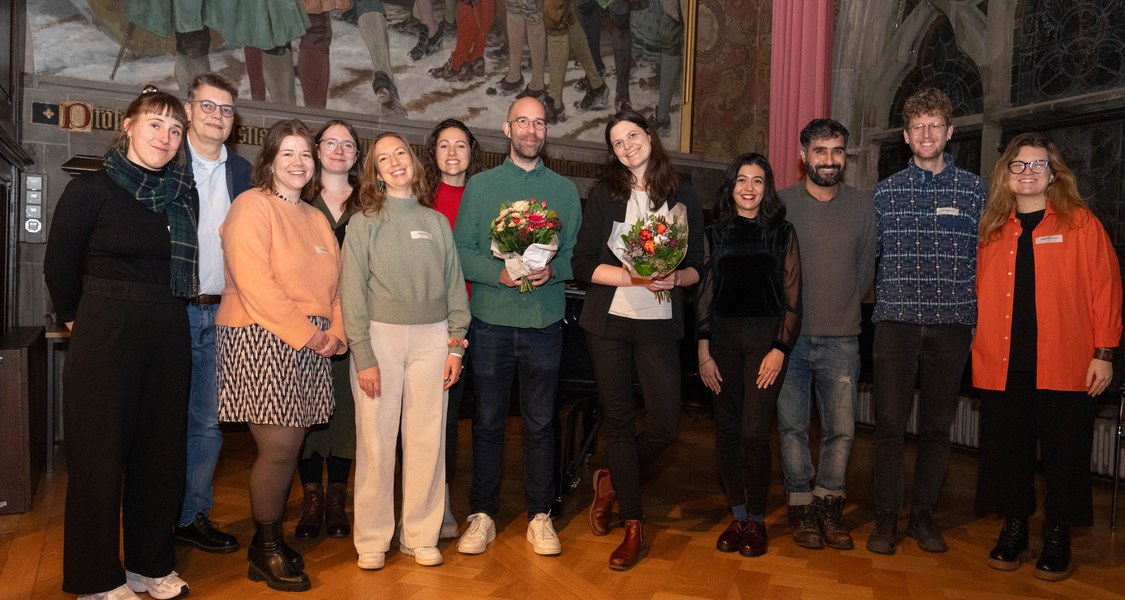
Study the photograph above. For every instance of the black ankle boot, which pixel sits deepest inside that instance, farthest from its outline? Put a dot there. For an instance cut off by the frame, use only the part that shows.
(268, 561)
(312, 512)
(336, 517)
(1011, 548)
(1054, 562)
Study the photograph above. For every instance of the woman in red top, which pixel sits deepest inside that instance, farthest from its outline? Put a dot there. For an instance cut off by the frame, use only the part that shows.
(1049, 296)
(450, 157)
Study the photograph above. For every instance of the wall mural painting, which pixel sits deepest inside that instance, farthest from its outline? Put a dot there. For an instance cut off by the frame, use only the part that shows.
(424, 60)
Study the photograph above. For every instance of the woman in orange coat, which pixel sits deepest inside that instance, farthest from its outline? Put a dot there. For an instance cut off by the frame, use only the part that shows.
(1049, 299)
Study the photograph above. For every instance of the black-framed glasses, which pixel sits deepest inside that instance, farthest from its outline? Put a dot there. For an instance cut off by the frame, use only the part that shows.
(227, 110)
(1037, 166)
(524, 123)
(330, 144)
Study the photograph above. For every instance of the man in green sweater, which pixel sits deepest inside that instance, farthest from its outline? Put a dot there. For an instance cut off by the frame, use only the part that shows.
(836, 228)
(511, 331)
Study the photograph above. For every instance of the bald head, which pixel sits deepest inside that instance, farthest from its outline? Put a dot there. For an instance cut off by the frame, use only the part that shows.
(528, 107)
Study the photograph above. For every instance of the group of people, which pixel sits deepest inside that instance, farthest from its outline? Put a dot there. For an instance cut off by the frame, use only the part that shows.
(333, 293)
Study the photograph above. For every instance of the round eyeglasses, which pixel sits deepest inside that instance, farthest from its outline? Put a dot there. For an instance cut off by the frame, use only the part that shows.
(524, 123)
(227, 110)
(1037, 166)
(331, 144)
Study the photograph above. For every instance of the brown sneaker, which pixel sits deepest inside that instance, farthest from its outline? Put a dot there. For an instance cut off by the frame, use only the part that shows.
(802, 519)
(830, 519)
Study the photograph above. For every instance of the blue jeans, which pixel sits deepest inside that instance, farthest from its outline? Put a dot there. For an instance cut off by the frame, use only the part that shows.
(204, 438)
(934, 356)
(832, 362)
(498, 352)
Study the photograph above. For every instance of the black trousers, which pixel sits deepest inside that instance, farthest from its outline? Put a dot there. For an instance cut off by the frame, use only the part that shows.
(652, 348)
(1011, 422)
(126, 382)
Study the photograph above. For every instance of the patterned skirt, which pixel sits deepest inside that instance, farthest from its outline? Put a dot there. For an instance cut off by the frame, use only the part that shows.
(265, 381)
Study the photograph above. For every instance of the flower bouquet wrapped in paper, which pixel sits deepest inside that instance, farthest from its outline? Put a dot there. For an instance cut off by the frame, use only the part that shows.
(525, 237)
(653, 246)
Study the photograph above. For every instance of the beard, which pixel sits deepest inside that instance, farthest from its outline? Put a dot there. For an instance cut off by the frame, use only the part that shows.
(824, 177)
(528, 147)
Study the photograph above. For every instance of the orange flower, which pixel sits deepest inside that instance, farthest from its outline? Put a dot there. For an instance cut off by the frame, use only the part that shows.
(650, 247)
(646, 234)
(661, 228)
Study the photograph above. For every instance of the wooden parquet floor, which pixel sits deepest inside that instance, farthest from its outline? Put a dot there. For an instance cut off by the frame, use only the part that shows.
(686, 514)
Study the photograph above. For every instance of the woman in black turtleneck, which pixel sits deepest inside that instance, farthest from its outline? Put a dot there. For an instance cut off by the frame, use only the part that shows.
(748, 318)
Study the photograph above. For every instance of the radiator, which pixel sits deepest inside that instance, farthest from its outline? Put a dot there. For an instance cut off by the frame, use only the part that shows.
(965, 430)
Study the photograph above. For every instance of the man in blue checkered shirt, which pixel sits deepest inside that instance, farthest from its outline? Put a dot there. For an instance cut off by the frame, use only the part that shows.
(925, 310)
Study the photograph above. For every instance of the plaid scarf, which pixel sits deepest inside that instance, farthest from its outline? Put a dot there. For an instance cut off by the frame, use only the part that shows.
(169, 191)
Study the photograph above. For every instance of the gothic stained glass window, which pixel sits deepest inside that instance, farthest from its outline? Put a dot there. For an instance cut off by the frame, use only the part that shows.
(1067, 47)
(943, 65)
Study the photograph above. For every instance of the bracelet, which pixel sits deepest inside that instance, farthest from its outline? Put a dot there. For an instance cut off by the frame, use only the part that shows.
(706, 361)
(1105, 354)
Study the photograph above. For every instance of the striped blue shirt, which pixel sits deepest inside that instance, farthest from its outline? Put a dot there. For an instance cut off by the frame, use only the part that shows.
(927, 245)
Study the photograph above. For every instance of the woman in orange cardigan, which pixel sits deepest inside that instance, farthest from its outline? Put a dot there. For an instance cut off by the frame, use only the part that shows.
(1049, 297)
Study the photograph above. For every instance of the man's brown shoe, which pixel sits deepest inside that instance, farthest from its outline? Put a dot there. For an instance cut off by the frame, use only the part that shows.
(632, 549)
(730, 539)
(601, 509)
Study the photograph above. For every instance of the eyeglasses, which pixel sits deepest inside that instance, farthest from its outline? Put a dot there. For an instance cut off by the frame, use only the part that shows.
(208, 107)
(524, 123)
(1037, 166)
(934, 128)
(331, 144)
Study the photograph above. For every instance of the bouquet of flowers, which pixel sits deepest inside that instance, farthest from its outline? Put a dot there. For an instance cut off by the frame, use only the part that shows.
(525, 237)
(653, 246)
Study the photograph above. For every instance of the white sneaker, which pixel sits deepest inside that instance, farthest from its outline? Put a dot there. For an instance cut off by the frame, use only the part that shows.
(161, 588)
(427, 556)
(541, 534)
(481, 532)
(372, 561)
(117, 593)
(450, 528)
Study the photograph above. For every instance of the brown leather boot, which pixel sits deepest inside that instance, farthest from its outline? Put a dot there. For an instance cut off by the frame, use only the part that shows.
(312, 512)
(601, 509)
(632, 549)
(335, 517)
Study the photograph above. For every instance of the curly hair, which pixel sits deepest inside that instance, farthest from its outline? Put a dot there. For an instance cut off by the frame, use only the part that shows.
(661, 179)
(315, 186)
(1062, 190)
(771, 211)
(261, 175)
(429, 153)
(373, 193)
(927, 101)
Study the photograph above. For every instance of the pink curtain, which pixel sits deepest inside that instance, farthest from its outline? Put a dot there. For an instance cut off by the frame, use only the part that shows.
(800, 79)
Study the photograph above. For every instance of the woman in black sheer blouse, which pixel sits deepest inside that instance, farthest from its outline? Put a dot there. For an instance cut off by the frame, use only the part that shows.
(748, 317)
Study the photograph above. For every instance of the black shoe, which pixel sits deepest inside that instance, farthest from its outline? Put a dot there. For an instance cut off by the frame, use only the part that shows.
(205, 535)
(923, 530)
(1054, 562)
(802, 520)
(830, 520)
(269, 563)
(448, 73)
(427, 45)
(1011, 548)
(335, 516)
(540, 94)
(477, 69)
(884, 537)
(622, 103)
(387, 94)
(505, 88)
(595, 99)
(555, 112)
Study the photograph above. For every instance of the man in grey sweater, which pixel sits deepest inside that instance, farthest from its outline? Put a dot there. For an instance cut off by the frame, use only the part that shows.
(836, 228)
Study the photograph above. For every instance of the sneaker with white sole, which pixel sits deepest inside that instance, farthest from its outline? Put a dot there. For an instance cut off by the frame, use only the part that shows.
(118, 593)
(161, 588)
(450, 528)
(371, 561)
(541, 534)
(427, 556)
(481, 532)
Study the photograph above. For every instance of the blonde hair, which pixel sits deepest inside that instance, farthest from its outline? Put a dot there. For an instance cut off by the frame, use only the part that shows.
(1062, 192)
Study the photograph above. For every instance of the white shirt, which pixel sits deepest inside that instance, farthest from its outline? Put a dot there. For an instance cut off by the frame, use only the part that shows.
(214, 202)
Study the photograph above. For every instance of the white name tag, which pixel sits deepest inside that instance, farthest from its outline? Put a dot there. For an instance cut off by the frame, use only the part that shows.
(320, 249)
(421, 235)
(1049, 239)
(948, 211)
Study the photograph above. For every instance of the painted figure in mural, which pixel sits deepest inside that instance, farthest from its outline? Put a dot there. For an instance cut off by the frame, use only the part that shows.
(628, 327)
(277, 328)
(1043, 350)
(120, 261)
(836, 226)
(313, 60)
(450, 157)
(407, 313)
(565, 39)
(925, 310)
(511, 329)
(748, 317)
(474, 19)
(524, 22)
(592, 13)
(220, 176)
(334, 191)
(671, 36)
